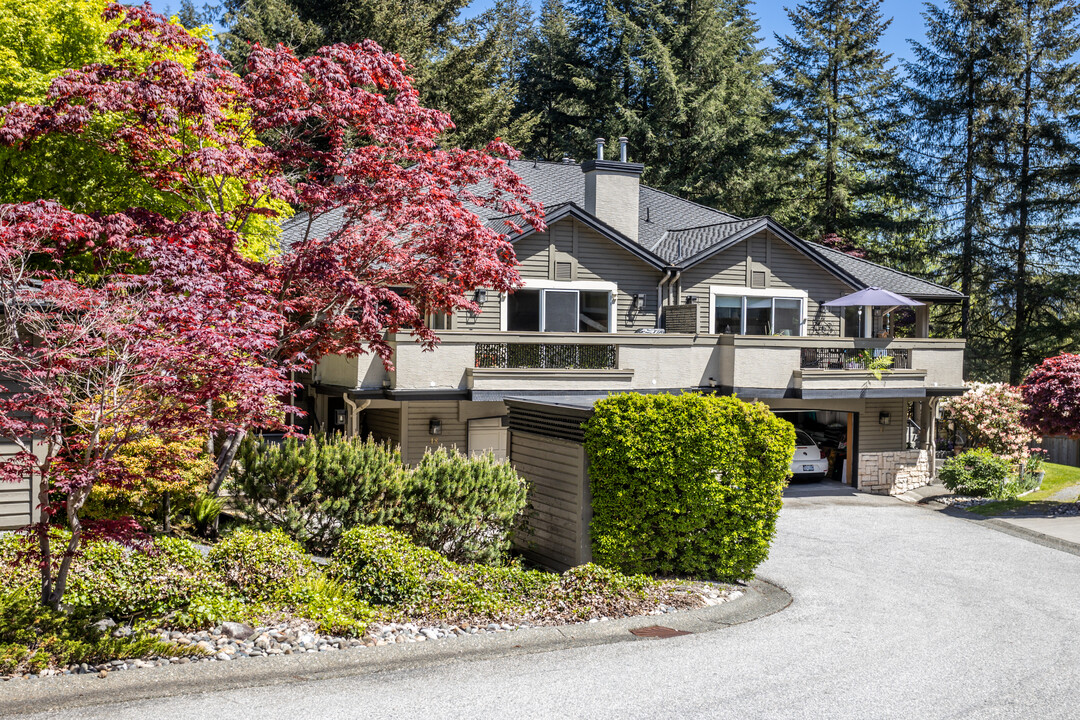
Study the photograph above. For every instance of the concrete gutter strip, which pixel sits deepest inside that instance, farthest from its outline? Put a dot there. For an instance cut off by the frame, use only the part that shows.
(60, 693)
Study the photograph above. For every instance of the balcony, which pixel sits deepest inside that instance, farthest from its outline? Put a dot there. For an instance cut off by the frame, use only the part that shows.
(485, 366)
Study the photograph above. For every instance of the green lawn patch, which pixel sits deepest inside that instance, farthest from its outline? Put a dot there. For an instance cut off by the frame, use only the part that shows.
(1058, 477)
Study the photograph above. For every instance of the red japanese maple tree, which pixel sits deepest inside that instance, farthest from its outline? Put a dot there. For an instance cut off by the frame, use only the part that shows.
(1052, 393)
(178, 325)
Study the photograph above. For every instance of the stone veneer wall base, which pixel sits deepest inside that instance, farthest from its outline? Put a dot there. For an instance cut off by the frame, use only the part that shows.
(894, 473)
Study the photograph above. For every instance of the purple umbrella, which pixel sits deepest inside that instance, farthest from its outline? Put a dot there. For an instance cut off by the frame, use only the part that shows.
(875, 296)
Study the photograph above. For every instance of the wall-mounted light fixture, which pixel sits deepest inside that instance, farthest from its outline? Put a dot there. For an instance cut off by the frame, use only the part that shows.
(639, 301)
(480, 297)
(339, 417)
(691, 299)
(884, 418)
(434, 426)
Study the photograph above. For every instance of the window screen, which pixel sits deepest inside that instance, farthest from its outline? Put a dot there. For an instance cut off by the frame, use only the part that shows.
(560, 311)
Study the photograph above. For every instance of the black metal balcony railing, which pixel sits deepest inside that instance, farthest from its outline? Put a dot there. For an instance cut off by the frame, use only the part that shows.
(546, 355)
(852, 358)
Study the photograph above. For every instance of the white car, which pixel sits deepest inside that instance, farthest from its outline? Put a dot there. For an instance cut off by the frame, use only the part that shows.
(810, 462)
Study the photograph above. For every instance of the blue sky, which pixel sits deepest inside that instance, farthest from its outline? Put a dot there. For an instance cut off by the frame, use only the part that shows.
(907, 20)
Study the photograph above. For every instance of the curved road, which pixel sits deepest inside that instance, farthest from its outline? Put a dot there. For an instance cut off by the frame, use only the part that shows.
(898, 612)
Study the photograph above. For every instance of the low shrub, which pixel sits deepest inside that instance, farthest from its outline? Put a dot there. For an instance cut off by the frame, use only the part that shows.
(403, 581)
(259, 564)
(33, 638)
(383, 567)
(685, 485)
(979, 473)
(315, 488)
(111, 580)
(464, 507)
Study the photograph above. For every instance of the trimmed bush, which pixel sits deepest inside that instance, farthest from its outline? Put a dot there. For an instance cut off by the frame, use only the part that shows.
(316, 488)
(259, 564)
(464, 507)
(979, 473)
(685, 485)
(384, 567)
(330, 604)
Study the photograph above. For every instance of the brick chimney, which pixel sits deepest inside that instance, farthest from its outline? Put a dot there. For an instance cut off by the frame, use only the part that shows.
(611, 189)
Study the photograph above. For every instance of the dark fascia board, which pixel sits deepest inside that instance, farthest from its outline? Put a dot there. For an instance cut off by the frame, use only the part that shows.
(570, 209)
(615, 166)
(767, 223)
(422, 394)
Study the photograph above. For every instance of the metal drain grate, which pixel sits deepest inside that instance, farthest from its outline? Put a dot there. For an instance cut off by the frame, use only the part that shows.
(658, 631)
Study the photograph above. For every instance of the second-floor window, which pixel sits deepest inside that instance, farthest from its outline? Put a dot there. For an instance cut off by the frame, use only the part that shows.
(563, 310)
(738, 314)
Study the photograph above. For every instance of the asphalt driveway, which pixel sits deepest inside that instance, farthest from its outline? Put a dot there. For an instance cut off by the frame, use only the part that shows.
(898, 612)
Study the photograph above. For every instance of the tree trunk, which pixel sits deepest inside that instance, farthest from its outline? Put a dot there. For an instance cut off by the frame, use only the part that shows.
(75, 501)
(225, 460)
(1020, 325)
(967, 260)
(166, 508)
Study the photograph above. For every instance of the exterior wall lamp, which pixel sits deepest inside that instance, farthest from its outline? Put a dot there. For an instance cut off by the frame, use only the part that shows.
(480, 297)
(639, 301)
(691, 299)
(434, 427)
(884, 418)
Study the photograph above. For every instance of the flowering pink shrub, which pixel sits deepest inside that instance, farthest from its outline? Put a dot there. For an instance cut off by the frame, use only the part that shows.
(991, 415)
(1052, 393)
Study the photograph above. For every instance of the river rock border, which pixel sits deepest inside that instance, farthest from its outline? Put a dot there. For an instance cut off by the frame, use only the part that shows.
(236, 641)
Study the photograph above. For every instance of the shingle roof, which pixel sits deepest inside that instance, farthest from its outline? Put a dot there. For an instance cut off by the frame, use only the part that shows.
(678, 245)
(873, 275)
(669, 227)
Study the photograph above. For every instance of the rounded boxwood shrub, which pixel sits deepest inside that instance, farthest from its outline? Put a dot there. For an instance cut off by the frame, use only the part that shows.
(979, 473)
(686, 485)
(259, 564)
(464, 507)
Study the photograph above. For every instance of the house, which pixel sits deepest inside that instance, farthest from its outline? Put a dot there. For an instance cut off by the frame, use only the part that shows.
(634, 289)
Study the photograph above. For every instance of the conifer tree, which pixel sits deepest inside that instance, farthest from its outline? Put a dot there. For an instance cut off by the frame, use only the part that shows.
(838, 95)
(553, 84)
(1039, 163)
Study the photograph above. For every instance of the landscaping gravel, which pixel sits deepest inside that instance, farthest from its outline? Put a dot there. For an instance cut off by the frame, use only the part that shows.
(1041, 509)
(237, 641)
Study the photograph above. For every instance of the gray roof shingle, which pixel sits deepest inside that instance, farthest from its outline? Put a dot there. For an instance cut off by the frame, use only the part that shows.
(670, 227)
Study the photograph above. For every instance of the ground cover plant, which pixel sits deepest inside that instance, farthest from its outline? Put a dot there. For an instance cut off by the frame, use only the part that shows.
(685, 485)
(377, 575)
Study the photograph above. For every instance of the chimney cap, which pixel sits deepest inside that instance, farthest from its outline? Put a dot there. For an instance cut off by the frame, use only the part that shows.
(599, 148)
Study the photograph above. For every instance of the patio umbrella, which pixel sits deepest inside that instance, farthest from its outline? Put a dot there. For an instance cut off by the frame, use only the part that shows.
(875, 296)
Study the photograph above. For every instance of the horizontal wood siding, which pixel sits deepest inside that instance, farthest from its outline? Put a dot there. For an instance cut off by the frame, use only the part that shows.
(600, 259)
(724, 268)
(875, 437)
(16, 503)
(532, 254)
(384, 424)
(455, 432)
(789, 268)
(558, 533)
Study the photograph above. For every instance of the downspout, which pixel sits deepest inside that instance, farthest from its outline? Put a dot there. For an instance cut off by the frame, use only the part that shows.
(660, 298)
(672, 287)
(351, 424)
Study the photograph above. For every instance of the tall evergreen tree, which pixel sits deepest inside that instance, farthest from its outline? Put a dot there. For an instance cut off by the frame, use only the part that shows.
(553, 84)
(1039, 163)
(952, 98)
(838, 95)
(458, 66)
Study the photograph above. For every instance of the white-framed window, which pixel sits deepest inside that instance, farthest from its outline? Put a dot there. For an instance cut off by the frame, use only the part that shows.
(560, 307)
(750, 311)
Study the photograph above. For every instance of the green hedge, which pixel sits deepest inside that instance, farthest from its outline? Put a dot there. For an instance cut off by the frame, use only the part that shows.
(686, 485)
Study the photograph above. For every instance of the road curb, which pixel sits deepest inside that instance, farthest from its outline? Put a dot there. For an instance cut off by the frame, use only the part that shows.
(64, 693)
(1004, 526)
